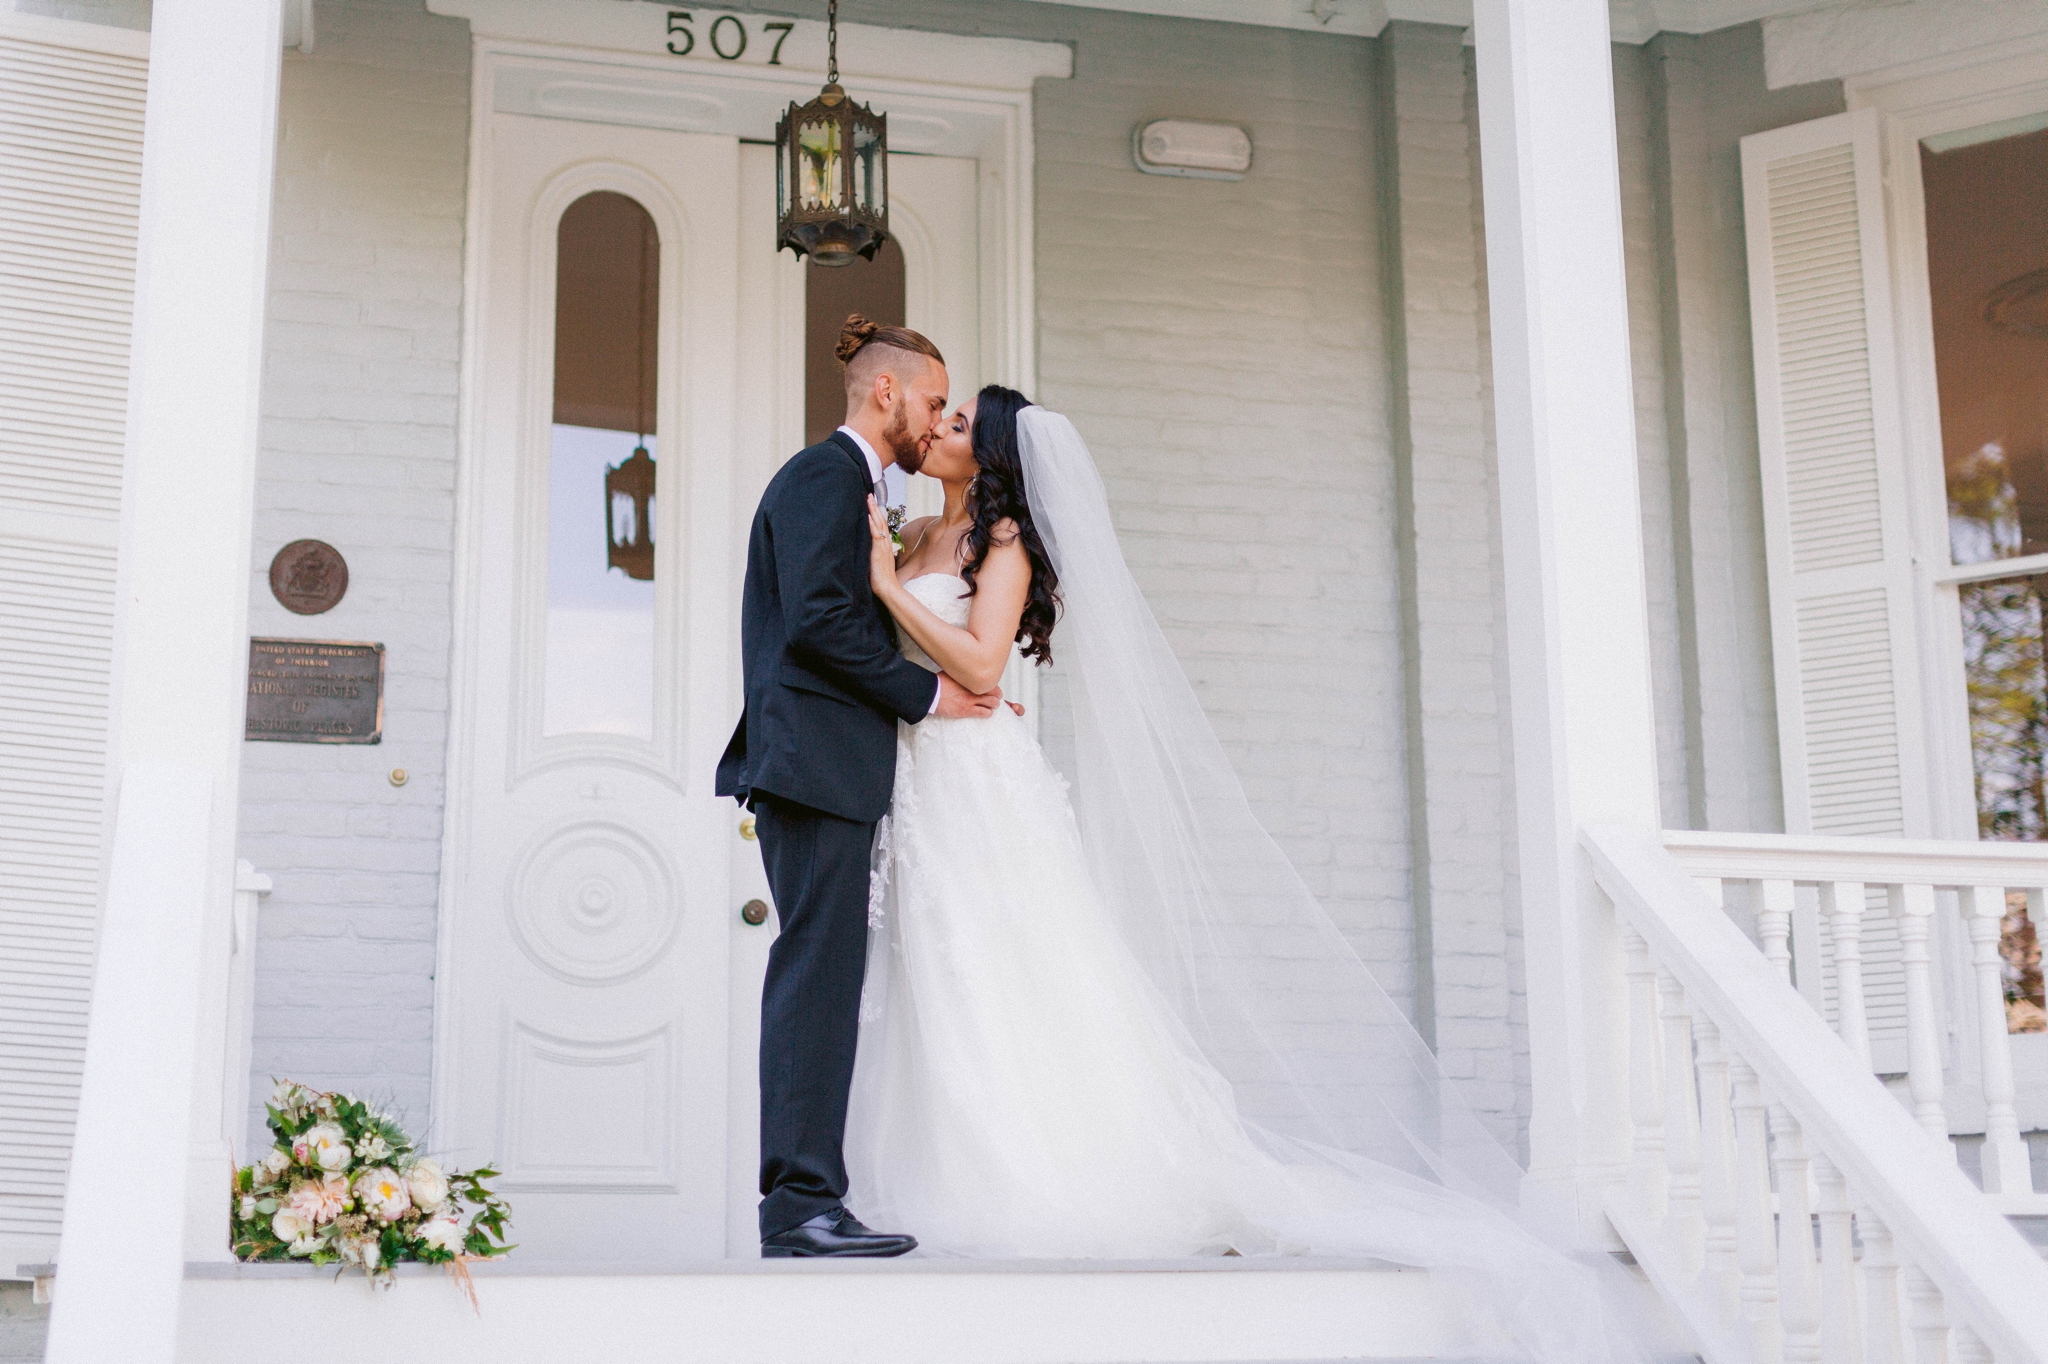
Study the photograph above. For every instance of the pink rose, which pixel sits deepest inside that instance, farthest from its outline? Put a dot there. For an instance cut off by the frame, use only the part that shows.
(320, 1201)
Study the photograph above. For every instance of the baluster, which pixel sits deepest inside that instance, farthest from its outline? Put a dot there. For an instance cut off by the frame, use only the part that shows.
(1884, 1328)
(1807, 976)
(1717, 1166)
(1753, 1240)
(1645, 1082)
(1798, 1285)
(1841, 1327)
(2005, 1153)
(1913, 906)
(1774, 924)
(1844, 902)
(1969, 1349)
(1927, 1315)
(1681, 1127)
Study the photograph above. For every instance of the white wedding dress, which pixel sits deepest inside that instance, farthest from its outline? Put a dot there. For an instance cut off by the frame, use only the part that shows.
(1021, 1090)
(1068, 1019)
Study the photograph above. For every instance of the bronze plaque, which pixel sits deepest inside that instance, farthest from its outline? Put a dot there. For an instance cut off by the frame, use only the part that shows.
(315, 691)
(308, 577)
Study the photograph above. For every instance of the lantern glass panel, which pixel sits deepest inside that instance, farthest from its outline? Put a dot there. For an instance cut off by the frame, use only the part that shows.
(821, 182)
(782, 176)
(870, 167)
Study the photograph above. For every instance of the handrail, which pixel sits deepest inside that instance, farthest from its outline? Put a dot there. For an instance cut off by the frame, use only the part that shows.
(1829, 912)
(1926, 861)
(1986, 1276)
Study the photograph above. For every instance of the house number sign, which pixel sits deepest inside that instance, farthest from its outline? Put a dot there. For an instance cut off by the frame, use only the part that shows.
(725, 37)
(315, 691)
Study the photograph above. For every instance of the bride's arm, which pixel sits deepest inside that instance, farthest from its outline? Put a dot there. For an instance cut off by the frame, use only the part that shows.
(973, 656)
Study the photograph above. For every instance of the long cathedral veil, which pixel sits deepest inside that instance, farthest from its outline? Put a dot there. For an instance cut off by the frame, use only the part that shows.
(1326, 1068)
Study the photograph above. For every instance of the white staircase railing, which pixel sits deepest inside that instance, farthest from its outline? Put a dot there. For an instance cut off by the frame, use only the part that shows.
(1737, 1086)
(1924, 916)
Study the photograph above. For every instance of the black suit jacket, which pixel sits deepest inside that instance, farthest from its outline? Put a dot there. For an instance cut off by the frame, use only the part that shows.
(825, 684)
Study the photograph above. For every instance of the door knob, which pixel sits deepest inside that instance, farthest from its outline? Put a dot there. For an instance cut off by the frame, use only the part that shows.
(754, 912)
(747, 828)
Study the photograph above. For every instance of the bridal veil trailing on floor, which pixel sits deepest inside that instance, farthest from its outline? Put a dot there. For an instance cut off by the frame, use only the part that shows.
(1115, 1022)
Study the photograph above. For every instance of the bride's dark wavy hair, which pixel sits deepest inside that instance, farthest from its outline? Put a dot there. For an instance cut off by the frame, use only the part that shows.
(997, 495)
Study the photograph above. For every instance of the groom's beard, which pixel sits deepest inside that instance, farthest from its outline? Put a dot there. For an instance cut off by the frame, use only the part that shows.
(908, 449)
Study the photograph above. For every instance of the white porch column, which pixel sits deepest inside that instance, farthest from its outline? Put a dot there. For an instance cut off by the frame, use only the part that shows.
(1579, 661)
(149, 1174)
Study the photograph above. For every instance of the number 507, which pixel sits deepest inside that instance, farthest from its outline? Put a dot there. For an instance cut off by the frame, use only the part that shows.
(727, 36)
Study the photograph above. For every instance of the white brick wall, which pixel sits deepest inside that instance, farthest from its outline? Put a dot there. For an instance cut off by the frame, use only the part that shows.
(1703, 94)
(1235, 399)
(1653, 447)
(1457, 718)
(364, 333)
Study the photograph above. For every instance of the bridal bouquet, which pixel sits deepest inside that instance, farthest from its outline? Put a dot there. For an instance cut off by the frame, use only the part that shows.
(343, 1185)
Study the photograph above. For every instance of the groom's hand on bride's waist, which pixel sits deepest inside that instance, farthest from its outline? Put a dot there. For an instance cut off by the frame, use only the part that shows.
(957, 703)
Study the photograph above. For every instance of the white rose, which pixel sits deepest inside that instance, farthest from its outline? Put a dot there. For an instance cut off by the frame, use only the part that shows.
(442, 1233)
(248, 1207)
(277, 1162)
(382, 1194)
(323, 1144)
(289, 1225)
(372, 1252)
(429, 1186)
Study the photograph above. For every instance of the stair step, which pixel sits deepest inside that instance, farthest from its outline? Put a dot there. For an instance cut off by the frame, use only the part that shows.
(911, 1311)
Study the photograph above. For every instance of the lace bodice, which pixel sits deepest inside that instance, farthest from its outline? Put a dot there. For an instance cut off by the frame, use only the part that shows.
(946, 595)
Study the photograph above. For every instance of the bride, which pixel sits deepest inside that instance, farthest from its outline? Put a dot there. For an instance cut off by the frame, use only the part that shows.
(1116, 1023)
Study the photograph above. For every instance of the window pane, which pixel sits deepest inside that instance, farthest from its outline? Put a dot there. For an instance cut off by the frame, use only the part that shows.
(872, 288)
(600, 669)
(2008, 687)
(2002, 652)
(1987, 270)
(600, 610)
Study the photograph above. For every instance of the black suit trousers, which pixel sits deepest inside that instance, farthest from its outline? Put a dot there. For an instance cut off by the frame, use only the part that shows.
(817, 867)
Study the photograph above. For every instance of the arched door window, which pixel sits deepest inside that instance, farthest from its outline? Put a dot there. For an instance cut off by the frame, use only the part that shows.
(601, 473)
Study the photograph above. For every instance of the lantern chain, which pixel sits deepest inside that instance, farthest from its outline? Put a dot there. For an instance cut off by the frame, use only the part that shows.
(832, 42)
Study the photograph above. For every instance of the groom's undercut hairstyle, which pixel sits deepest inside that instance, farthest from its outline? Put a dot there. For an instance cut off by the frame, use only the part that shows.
(867, 349)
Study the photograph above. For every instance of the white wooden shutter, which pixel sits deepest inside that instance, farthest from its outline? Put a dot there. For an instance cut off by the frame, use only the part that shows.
(1835, 528)
(70, 168)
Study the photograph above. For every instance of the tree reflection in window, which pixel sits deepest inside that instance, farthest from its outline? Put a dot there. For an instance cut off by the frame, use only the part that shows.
(2007, 668)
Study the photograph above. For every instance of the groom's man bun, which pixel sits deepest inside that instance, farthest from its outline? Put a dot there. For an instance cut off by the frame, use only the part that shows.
(867, 349)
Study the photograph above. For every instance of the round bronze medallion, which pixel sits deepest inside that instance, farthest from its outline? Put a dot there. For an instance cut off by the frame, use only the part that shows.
(308, 577)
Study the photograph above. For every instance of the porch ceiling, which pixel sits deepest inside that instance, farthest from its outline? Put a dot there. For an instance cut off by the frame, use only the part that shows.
(1633, 21)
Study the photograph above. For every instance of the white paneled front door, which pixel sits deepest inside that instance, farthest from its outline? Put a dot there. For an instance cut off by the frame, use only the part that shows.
(600, 987)
(583, 1044)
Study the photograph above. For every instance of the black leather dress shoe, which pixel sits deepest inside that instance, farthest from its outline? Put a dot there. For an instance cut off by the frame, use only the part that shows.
(834, 1234)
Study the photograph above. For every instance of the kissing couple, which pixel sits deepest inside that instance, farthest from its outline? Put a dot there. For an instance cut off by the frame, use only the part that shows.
(1029, 1021)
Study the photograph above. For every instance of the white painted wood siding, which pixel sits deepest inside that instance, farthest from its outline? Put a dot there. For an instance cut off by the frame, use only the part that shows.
(71, 101)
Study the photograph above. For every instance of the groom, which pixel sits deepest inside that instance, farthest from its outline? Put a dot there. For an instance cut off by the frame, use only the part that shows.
(815, 758)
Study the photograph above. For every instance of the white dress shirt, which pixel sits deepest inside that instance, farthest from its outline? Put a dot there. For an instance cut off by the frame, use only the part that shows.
(874, 460)
(874, 480)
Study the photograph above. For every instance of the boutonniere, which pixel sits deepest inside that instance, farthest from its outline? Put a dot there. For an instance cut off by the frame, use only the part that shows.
(896, 518)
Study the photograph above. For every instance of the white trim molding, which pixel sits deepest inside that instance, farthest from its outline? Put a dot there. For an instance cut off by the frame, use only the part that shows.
(1630, 21)
(866, 53)
(1841, 42)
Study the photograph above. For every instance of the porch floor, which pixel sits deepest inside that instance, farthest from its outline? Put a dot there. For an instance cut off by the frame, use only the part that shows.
(908, 1311)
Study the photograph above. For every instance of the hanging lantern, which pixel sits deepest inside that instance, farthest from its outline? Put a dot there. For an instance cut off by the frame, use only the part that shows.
(831, 172)
(628, 498)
